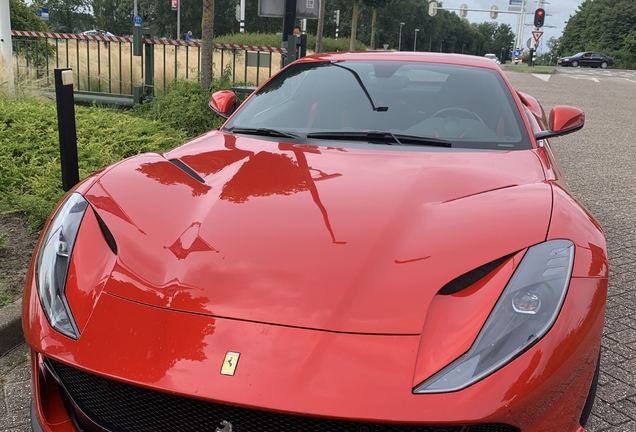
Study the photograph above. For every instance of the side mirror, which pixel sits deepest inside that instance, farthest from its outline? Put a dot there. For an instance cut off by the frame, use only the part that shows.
(563, 120)
(223, 103)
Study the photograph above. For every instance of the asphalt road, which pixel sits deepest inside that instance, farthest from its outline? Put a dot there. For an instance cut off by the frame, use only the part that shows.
(600, 167)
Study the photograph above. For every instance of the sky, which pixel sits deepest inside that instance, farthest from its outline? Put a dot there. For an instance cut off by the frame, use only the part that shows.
(557, 14)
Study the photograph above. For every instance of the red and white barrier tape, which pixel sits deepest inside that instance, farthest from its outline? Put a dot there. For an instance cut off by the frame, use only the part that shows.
(125, 39)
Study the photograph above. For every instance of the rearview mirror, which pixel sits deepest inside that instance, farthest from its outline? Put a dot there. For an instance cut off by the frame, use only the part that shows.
(563, 120)
(223, 103)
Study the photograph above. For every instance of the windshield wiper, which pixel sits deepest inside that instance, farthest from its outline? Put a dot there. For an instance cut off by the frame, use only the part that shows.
(262, 131)
(382, 137)
(363, 87)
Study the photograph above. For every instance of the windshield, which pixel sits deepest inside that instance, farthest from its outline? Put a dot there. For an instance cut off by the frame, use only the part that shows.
(471, 107)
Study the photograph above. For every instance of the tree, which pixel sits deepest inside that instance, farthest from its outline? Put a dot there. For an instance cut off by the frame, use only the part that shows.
(207, 47)
(321, 26)
(24, 18)
(554, 47)
(69, 16)
(354, 25)
(374, 5)
(602, 25)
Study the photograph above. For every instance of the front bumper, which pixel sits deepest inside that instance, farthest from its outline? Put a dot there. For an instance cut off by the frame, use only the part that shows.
(365, 378)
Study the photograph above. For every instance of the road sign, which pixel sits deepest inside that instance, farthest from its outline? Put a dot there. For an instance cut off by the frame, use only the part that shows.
(386, 46)
(514, 5)
(517, 53)
(537, 35)
(432, 9)
(137, 20)
(43, 13)
(529, 43)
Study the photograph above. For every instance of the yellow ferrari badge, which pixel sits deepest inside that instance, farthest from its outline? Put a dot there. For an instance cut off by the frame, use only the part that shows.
(229, 364)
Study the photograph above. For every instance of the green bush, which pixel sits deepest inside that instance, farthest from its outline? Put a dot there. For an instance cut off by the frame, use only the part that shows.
(623, 59)
(185, 107)
(271, 39)
(262, 39)
(30, 178)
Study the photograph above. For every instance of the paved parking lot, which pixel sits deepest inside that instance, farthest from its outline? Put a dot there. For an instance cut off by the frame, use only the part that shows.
(600, 167)
(598, 75)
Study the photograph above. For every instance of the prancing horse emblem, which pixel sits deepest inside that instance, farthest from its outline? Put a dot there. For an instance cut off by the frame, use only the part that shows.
(229, 363)
(226, 426)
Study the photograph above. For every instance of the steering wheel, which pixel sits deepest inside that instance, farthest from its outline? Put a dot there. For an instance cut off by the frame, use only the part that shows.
(463, 110)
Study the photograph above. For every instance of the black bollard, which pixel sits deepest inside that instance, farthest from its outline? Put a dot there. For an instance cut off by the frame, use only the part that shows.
(66, 126)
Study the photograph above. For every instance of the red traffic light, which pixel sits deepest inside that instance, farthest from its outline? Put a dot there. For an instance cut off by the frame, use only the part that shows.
(539, 17)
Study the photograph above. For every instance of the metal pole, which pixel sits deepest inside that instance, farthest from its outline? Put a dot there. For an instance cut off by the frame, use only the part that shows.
(400, 38)
(415, 41)
(5, 42)
(178, 19)
(242, 25)
(523, 22)
(533, 42)
(289, 20)
(66, 127)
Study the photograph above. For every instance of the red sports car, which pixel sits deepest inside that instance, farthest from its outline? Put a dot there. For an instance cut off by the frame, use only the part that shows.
(371, 242)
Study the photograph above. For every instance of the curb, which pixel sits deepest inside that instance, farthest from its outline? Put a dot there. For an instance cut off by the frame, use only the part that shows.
(11, 326)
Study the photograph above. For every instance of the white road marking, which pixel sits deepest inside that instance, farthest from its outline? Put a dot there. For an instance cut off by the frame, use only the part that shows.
(583, 77)
(543, 77)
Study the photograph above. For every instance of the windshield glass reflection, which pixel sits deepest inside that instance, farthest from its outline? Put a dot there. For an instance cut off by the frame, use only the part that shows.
(470, 106)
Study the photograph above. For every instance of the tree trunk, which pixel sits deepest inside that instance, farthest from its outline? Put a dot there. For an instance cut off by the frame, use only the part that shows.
(321, 26)
(207, 40)
(354, 25)
(373, 19)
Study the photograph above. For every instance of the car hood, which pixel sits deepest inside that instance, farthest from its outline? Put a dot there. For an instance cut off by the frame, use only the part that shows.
(356, 239)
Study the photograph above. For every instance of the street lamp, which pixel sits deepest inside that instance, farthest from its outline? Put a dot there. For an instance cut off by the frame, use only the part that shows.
(415, 42)
(400, 39)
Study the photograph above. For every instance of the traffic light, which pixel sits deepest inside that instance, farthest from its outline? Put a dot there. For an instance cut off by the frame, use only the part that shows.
(539, 17)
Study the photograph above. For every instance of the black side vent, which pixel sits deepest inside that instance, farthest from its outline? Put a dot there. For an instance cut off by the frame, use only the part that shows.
(112, 244)
(467, 279)
(186, 169)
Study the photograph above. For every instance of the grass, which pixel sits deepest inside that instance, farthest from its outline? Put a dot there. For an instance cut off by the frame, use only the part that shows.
(3, 242)
(523, 67)
(30, 178)
(5, 299)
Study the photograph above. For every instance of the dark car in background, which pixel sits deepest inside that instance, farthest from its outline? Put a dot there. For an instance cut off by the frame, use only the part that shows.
(587, 58)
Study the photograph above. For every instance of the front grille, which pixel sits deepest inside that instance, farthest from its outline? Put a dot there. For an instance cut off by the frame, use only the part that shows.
(117, 406)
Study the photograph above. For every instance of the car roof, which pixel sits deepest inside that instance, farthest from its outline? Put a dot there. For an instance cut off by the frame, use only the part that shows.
(405, 56)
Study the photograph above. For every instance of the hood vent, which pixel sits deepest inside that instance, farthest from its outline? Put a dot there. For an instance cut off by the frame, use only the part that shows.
(467, 279)
(108, 236)
(186, 169)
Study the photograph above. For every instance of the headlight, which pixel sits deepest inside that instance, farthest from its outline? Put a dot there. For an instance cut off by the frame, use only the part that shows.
(523, 314)
(53, 262)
